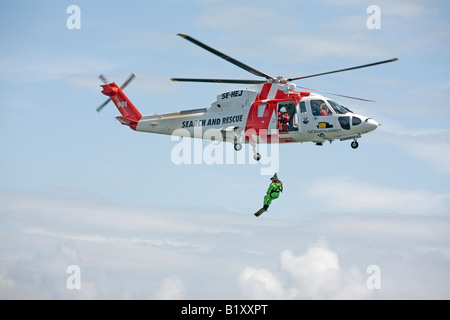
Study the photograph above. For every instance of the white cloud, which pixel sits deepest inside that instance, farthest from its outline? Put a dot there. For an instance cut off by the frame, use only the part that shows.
(171, 288)
(315, 275)
(261, 284)
(314, 271)
(44, 276)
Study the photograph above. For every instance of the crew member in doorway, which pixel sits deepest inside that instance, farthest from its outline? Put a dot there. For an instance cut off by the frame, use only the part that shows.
(283, 120)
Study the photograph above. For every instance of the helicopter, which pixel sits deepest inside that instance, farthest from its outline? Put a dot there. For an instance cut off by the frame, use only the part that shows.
(268, 111)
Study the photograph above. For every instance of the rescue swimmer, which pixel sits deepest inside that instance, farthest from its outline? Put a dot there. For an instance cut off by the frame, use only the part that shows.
(276, 186)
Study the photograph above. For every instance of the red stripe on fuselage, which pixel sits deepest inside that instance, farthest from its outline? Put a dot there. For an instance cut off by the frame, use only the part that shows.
(264, 92)
(259, 125)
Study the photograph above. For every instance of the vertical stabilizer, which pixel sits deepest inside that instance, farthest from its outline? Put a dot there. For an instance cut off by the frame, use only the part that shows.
(123, 104)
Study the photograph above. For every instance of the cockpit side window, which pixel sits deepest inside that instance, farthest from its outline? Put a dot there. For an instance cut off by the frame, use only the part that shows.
(320, 108)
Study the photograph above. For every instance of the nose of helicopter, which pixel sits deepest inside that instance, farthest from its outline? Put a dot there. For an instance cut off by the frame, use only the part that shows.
(370, 125)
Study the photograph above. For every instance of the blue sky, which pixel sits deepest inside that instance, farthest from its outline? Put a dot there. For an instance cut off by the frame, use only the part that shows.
(79, 188)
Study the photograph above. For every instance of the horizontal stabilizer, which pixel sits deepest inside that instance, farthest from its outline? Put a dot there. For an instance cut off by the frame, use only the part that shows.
(127, 122)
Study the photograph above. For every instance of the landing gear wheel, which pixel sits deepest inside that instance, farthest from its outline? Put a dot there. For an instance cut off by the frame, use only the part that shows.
(237, 146)
(354, 144)
(256, 155)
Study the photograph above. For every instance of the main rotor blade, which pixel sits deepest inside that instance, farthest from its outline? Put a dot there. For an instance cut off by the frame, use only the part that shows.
(226, 57)
(219, 80)
(336, 94)
(341, 70)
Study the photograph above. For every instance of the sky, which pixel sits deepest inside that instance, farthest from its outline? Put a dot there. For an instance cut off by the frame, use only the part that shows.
(79, 189)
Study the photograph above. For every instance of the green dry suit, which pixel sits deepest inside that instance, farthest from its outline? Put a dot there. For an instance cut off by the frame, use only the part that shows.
(273, 192)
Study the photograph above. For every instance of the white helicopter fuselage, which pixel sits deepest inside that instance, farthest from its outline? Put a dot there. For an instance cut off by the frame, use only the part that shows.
(254, 115)
(270, 111)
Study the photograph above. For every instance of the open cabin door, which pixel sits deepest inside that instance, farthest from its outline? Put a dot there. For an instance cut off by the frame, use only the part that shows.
(287, 117)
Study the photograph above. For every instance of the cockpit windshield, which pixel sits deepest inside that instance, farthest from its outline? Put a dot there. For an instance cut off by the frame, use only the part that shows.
(338, 108)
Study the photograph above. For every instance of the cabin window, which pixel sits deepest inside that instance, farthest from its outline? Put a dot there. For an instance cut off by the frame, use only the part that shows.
(356, 121)
(344, 122)
(302, 107)
(320, 108)
(261, 109)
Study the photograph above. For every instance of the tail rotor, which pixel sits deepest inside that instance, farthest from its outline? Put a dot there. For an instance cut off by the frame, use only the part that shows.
(106, 82)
